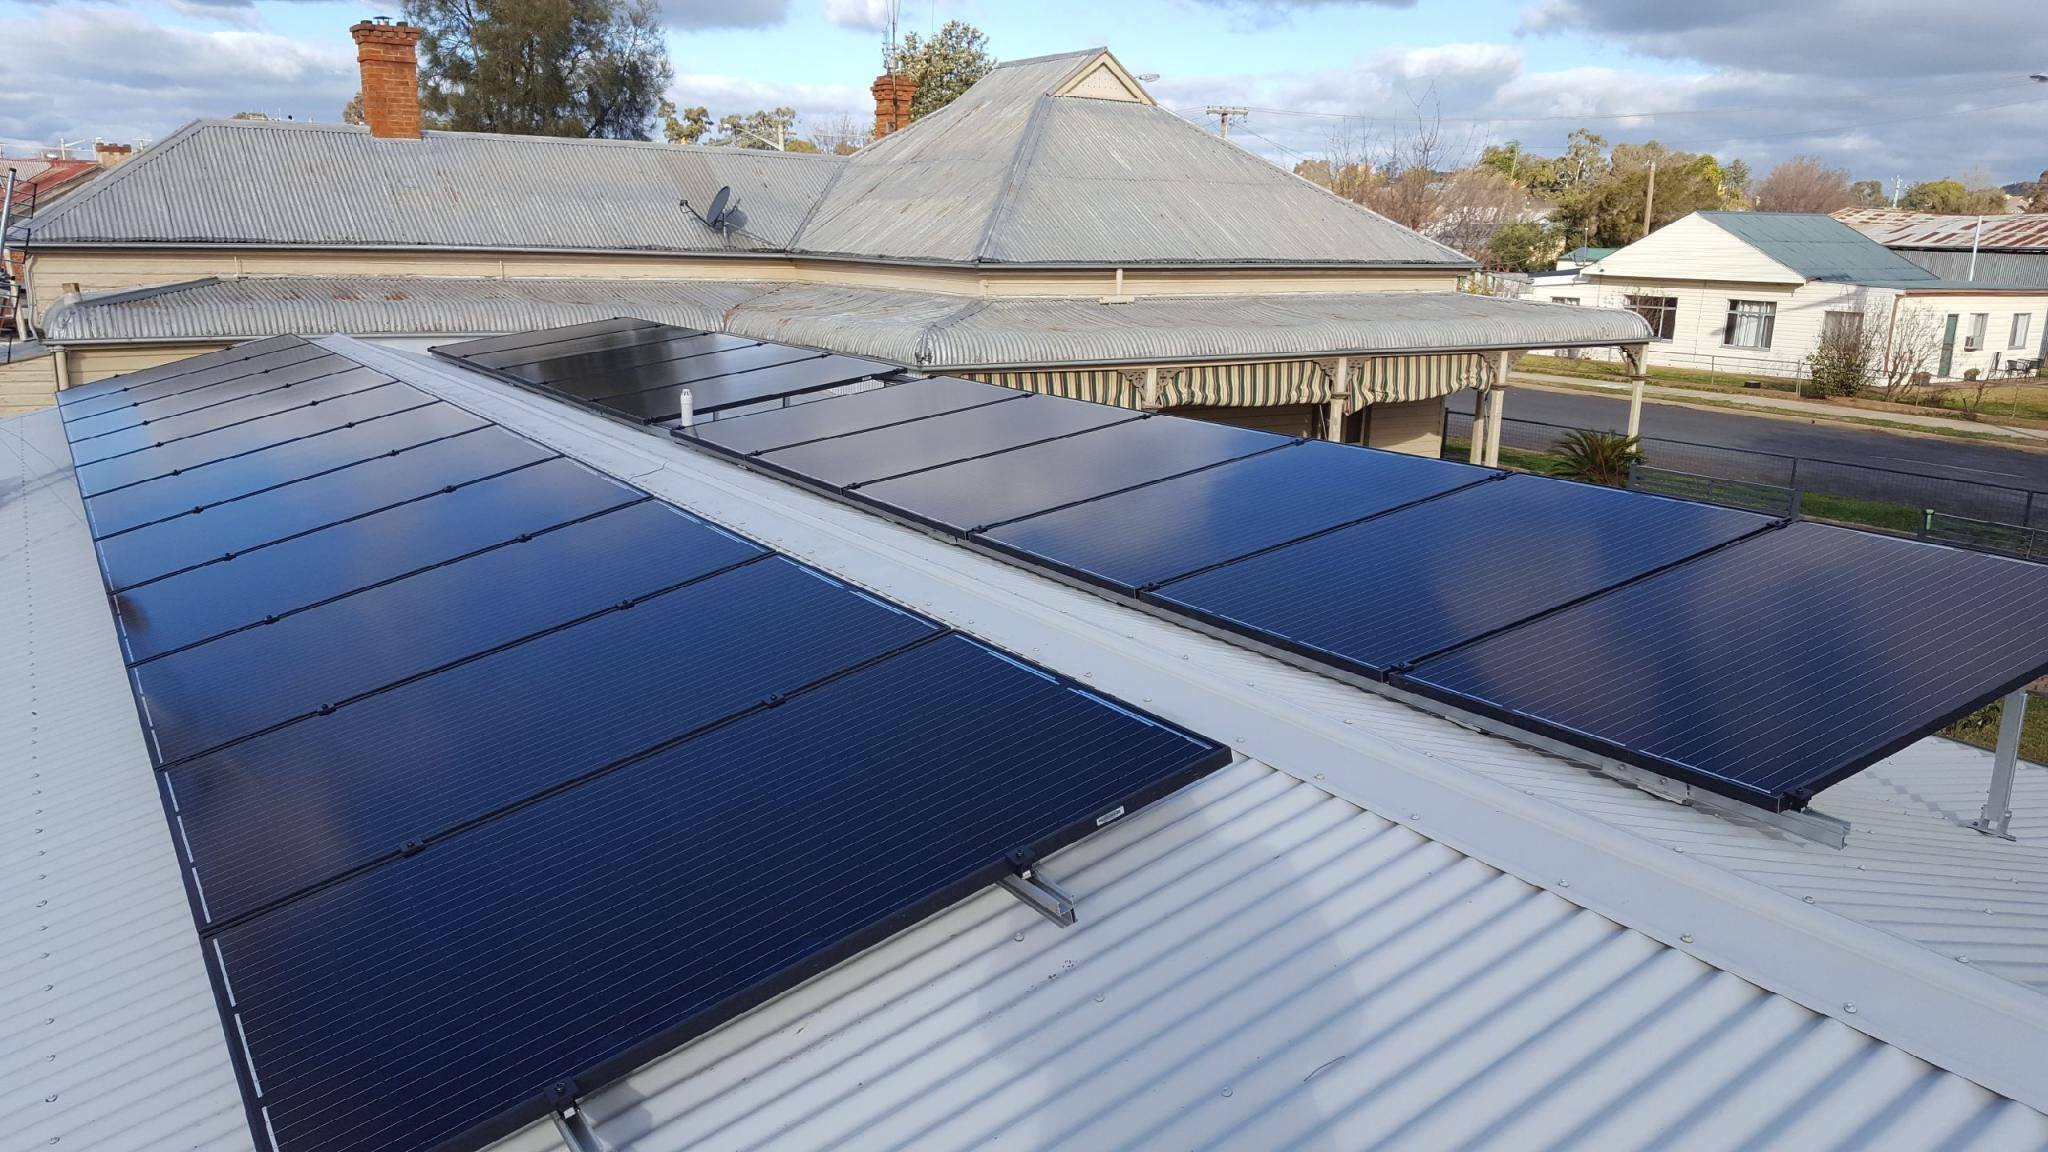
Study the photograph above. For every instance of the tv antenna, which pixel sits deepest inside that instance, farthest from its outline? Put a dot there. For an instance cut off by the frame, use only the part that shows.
(722, 213)
(889, 45)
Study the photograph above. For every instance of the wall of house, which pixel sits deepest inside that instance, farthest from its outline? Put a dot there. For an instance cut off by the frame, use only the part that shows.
(1416, 427)
(87, 365)
(1698, 338)
(26, 385)
(51, 271)
(2000, 309)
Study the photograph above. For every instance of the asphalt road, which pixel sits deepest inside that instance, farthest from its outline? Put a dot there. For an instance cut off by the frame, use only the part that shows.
(1924, 471)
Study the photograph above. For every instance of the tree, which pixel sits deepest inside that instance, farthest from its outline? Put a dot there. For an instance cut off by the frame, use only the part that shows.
(352, 112)
(250, 116)
(843, 137)
(1596, 457)
(1849, 356)
(1869, 194)
(2038, 202)
(1522, 246)
(1955, 198)
(1735, 182)
(1607, 211)
(689, 128)
(944, 66)
(1804, 184)
(542, 67)
(762, 129)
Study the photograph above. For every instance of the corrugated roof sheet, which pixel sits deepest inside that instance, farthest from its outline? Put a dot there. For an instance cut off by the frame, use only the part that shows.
(1818, 246)
(920, 329)
(1006, 174)
(257, 182)
(2025, 269)
(1896, 228)
(113, 1039)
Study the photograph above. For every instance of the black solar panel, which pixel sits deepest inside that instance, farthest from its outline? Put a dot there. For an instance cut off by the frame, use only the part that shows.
(220, 419)
(366, 651)
(203, 697)
(1152, 534)
(179, 376)
(307, 569)
(990, 490)
(270, 816)
(864, 457)
(579, 372)
(597, 927)
(526, 347)
(187, 404)
(844, 415)
(1771, 669)
(120, 509)
(253, 436)
(202, 535)
(710, 396)
(1402, 586)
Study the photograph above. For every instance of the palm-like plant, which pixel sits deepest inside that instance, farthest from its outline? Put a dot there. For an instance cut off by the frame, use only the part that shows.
(1596, 457)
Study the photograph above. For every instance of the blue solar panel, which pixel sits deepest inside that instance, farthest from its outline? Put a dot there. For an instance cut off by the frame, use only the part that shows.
(158, 411)
(990, 490)
(576, 936)
(203, 697)
(204, 485)
(1770, 669)
(273, 815)
(1397, 588)
(203, 535)
(220, 420)
(180, 376)
(896, 449)
(254, 436)
(282, 578)
(844, 415)
(1152, 534)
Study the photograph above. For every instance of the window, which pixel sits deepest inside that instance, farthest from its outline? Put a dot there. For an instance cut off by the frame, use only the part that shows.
(1750, 323)
(1565, 300)
(1843, 326)
(1660, 311)
(2020, 331)
(1973, 337)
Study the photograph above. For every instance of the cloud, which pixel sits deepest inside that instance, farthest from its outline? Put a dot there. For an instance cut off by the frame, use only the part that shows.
(85, 72)
(861, 15)
(818, 106)
(723, 13)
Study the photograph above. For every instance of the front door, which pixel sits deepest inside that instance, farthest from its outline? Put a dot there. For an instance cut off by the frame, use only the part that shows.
(1948, 345)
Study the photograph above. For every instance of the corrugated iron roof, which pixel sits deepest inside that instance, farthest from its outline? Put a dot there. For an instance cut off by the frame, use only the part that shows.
(1006, 174)
(919, 329)
(2026, 269)
(1819, 247)
(1896, 228)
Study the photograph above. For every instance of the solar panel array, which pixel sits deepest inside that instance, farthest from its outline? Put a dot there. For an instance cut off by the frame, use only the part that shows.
(492, 777)
(1722, 648)
(639, 371)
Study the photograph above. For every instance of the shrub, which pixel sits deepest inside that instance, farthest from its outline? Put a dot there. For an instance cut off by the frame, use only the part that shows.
(1596, 457)
(1846, 361)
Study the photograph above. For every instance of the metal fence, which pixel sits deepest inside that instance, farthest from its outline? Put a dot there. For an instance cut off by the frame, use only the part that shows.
(1985, 535)
(1768, 498)
(1886, 493)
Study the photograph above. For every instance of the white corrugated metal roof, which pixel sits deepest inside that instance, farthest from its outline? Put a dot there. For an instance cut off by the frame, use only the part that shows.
(113, 1039)
(1604, 861)
(1377, 929)
(922, 329)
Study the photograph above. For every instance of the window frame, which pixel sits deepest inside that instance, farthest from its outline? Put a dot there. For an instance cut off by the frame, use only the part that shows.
(2021, 337)
(1665, 309)
(1827, 318)
(1976, 331)
(1763, 311)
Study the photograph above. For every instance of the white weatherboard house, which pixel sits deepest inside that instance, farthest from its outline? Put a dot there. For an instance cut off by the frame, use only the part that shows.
(1753, 292)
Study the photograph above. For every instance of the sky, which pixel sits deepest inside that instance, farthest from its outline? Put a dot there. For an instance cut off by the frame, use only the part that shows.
(1884, 88)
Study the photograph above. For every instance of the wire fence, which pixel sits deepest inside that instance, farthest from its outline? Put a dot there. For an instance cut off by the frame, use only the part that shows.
(1830, 489)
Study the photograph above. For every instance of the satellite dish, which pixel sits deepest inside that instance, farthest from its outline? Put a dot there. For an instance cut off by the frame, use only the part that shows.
(721, 201)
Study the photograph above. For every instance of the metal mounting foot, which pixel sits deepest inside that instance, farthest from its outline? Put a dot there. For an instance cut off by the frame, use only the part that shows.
(1041, 896)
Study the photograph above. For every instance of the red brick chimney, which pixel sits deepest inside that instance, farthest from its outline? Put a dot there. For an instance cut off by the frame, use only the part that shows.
(390, 62)
(892, 103)
(111, 154)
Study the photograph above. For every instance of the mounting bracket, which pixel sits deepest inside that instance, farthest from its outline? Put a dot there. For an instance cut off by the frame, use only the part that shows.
(1042, 896)
(574, 1128)
(1996, 819)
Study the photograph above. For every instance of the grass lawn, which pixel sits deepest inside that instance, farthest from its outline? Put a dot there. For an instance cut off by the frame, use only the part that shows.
(2024, 399)
(1981, 728)
(1676, 377)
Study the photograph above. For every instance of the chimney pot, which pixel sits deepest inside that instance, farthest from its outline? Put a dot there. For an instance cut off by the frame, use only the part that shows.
(388, 55)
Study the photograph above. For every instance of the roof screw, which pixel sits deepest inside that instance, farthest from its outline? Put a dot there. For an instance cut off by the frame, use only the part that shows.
(1226, 1091)
(1319, 775)
(1685, 939)
(1962, 959)
(1019, 937)
(1808, 899)
(1849, 1008)
(1560, 883)
(1098, 997)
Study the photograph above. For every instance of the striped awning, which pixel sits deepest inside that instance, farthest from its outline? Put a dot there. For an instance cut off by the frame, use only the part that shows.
(1267, 385)
(1096, 385)
(1400, 379)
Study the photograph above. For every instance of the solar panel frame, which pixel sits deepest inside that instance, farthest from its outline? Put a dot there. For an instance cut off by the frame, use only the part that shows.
(828, 419)
(1641, 653)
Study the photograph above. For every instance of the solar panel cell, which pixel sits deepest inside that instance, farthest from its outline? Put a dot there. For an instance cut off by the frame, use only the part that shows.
(281, 578)
(581, 371)
(1770, 669)
(179, 376)
(526, 347)
(272, 815)
(630, 912)
(786, 378)
(203, 485)
(248, 409)
(158, 411)
(204, 536)
(1152, 534)
(1400, 587)
(973, 494)
(202, 697)
(844, 415)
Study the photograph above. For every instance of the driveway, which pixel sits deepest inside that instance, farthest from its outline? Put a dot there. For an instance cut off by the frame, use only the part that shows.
(1965, 477)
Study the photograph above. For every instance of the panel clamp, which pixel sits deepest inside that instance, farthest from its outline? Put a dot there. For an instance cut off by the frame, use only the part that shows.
(571, 1123)
(1041, 895)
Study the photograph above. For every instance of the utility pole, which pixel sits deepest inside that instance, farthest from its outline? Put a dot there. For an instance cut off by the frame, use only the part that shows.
(1649, 197)
(1224, 112)
(1895, 191)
